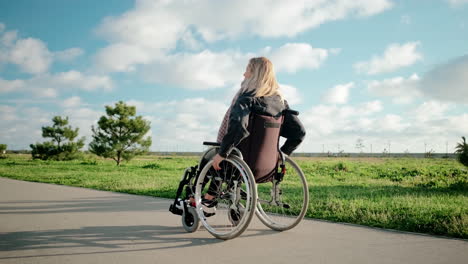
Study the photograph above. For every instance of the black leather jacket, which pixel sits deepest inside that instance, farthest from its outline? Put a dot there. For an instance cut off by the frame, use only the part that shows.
(292, 129)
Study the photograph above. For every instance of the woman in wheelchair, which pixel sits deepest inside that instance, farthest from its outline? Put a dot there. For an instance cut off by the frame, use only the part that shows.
(247, 152)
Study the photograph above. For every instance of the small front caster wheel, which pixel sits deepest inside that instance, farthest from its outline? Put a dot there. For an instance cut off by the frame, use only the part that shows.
(190, 220)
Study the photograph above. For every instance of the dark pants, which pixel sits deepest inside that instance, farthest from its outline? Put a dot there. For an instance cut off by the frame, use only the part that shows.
(226, 173)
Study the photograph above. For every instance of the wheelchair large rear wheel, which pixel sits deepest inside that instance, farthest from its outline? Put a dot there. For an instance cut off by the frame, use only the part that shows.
(282, 205)
(232, 209)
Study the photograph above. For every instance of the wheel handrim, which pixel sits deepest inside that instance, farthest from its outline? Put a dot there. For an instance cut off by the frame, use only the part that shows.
(220, 224)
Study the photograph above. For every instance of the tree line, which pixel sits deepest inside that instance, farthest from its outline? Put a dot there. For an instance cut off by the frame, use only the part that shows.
(119, 135)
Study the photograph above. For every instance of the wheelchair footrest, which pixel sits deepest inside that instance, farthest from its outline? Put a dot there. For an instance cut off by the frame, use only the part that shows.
(175, 210)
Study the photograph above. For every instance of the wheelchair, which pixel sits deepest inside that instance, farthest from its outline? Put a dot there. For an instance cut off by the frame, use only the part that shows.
(255, 178)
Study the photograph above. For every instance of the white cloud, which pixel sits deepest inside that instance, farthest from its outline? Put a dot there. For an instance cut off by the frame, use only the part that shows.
(208, 69)
(396, 56)
(456, 124)
(433, 125)
(71, 102)
(279, 18)
(447, 81)
(47, 92)
(138, 104)
(332, 120)
(430, 110)
(2, 27)
(68, 54)
(199, 71)
(338, 94)
(10, 86)
(291, 94)
(122, 57)
(8, 38)
(150, 24)
(456, 3)
(153, 29)
(369, 108)
(152, 20)
(182, 124)
(22, 126)
(332, 127)
(31, 55)
(335, 51)
(76, 79)
(294, 56)
(83, 118)
(402, 91)
(390, 122)
(48, 85)
(7, 112)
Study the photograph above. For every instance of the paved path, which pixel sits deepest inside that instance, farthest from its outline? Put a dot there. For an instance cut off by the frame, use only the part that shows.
(44, 223)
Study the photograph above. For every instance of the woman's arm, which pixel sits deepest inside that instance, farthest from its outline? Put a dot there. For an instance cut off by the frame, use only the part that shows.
(294, 132)
(238, 123)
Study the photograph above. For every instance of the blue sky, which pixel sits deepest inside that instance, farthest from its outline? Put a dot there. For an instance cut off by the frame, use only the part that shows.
(392, 73)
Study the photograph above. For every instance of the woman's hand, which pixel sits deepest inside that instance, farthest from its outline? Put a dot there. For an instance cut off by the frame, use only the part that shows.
(216, 161)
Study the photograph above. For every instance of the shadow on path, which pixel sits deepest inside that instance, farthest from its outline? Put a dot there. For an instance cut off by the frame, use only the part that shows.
(104, 204)
(110, 238)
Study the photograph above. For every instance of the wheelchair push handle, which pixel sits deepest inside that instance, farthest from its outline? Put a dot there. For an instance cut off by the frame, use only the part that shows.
(290, 111)
(207, 143)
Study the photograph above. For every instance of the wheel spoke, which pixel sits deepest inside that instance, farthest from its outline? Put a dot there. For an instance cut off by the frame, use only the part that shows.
(282, 206)
(225, 219)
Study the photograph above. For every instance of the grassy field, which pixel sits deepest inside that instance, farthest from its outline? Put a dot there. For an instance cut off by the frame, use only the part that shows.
(420, 195)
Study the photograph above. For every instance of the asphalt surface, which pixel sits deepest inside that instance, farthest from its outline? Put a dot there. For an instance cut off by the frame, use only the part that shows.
(45, 223)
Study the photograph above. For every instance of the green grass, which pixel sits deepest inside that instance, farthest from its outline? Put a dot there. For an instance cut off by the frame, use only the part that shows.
(419, 195)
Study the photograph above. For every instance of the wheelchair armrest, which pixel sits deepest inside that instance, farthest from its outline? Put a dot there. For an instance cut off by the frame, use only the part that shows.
(207, 143)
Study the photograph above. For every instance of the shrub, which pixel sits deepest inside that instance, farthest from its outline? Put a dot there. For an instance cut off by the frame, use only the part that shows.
(62, 146)
(341, 167)
(3, 148)
(462, 151)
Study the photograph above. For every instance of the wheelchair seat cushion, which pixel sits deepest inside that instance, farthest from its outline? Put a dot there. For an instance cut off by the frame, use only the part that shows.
(260, 148)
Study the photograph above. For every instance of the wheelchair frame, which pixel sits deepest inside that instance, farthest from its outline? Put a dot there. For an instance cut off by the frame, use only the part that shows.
(190, 175)
(190, 217)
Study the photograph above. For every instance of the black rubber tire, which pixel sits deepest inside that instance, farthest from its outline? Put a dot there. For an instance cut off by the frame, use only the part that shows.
(190, 220)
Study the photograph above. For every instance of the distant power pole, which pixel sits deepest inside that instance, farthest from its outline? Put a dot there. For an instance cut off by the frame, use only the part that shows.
(371, 148)
(446, 148)
(323, 148)
(389, 146)
(425, 145)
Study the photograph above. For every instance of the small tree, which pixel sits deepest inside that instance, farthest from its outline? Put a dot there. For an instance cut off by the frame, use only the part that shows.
(120, 134)
(462, 150)
(62, 146)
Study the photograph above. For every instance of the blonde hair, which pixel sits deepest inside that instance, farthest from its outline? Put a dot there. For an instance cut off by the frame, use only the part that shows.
(262, 81)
